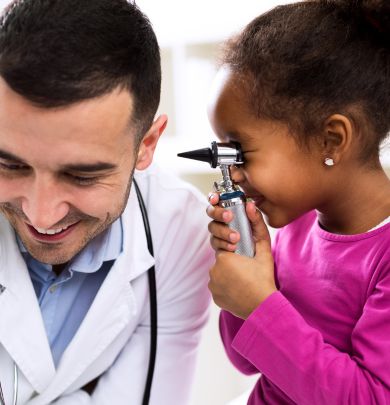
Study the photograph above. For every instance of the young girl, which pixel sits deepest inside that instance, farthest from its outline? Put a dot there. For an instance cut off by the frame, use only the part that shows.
(305, 90)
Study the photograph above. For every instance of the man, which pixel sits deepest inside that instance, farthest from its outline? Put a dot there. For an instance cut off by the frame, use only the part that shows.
(79, 88)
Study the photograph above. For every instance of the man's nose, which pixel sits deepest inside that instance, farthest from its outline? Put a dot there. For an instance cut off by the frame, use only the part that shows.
(44, 203)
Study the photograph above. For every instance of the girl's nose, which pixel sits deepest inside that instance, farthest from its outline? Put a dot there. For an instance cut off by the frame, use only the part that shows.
(237, 174)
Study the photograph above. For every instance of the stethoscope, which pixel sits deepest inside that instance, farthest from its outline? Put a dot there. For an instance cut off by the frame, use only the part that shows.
(153, 315)
(16, 383)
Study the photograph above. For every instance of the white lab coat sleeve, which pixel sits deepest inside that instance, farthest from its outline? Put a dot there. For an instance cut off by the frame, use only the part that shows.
(183, 258)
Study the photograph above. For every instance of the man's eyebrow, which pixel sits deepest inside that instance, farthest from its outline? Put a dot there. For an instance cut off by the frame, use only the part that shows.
(89, 167)
(75, 167)
(10, 156)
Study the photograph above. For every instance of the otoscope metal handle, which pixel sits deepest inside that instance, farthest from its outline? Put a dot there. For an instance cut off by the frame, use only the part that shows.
(240, 222)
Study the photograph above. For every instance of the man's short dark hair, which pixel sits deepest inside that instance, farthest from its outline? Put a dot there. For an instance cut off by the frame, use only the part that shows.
(59, 52)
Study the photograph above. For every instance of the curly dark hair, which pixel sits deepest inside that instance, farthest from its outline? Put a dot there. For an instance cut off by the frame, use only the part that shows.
(58, 52)
(302, 62)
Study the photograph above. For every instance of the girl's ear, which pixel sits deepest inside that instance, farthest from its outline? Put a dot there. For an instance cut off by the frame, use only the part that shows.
(149, 142)
(337, 137)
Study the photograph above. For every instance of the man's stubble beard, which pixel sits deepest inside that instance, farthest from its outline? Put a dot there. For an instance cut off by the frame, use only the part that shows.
(42, 253)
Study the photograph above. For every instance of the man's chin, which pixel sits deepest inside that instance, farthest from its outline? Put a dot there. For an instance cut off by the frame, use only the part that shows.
(53, 253)
(52, 258)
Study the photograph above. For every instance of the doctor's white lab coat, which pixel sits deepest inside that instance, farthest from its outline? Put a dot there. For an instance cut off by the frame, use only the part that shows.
(113, 339)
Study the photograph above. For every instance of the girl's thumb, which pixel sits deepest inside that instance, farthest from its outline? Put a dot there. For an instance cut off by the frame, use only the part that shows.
(259, 228)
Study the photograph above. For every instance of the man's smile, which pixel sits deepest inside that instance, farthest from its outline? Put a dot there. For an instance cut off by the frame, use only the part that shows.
(51, 235)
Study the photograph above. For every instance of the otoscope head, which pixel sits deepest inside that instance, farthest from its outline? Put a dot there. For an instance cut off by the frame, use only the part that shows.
(218, 154)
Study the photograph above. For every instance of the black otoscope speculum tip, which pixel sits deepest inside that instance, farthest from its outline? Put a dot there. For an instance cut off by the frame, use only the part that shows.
(209, 155)
(218, 154)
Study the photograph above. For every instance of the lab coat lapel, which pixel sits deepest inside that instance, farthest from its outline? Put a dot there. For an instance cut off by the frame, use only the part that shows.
(135, 243)
(110, 312)
(22, 332)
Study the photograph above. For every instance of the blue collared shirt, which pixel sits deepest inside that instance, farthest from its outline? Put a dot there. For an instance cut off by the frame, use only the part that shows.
(65, 299)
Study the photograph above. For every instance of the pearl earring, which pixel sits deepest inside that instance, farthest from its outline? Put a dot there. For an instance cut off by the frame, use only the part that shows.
(329, 161)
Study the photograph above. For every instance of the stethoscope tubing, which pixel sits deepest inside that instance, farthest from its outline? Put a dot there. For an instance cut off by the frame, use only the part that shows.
(16, 384)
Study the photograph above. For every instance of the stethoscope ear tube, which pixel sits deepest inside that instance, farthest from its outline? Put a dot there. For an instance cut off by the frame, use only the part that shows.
(152, 298)
(16, 383)
(2, 402)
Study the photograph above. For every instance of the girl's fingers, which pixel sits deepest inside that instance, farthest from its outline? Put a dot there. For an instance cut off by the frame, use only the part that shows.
(220, 244)
(222, 238)
(223, 232)
(259, 228)
(215, 212)
(219, 214)
(213, 198)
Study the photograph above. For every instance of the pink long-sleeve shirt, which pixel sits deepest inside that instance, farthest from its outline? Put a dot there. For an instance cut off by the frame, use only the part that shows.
(324, 337)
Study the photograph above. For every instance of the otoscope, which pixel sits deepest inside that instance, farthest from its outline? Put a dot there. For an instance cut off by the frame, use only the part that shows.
(231, 197)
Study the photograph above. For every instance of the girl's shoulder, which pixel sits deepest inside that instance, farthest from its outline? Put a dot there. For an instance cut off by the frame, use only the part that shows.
(307, 227)
(304, 239)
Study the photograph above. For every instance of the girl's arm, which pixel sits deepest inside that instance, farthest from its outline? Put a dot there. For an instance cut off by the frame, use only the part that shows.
(229, 325)
(278, 341)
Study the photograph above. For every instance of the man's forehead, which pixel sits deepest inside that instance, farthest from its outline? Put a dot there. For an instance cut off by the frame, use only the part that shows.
(119, 100)
(91, 120)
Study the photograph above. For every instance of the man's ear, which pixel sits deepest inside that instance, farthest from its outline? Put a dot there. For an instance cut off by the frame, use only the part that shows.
(336, 137)
(149, 142)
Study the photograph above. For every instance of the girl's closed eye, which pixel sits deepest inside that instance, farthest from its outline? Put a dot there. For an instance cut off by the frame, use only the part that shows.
(247, 155)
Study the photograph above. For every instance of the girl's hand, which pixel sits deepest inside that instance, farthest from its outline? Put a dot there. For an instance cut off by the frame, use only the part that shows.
(222, 237)
(240, 284)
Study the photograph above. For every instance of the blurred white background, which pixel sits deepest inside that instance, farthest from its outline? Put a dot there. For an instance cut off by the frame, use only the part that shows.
(190, 34)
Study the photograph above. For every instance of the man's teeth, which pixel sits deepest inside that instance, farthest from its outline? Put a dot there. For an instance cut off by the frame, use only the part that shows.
(50, 231)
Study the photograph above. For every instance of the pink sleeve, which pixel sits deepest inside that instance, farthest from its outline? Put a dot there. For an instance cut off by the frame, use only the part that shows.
(229, 326)
(293, 355)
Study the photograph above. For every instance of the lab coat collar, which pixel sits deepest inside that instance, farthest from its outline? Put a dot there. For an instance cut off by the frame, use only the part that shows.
(134, 237)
